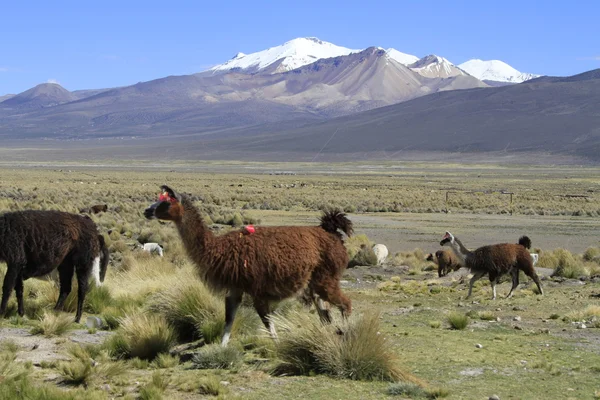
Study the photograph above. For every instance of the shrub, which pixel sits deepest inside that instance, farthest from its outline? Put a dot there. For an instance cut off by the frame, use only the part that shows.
(352, 349)
(458, 320)
(568, 266)
(53, 324)
(142, 335)
(215, 356)
(365, 256)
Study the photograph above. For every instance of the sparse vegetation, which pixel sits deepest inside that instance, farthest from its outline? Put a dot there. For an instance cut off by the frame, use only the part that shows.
(214, 356)
(53, 324)
(414, 303)
(458, 320)
(142, 335)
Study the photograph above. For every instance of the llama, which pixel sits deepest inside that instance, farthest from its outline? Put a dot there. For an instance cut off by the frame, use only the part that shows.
(534, 257)
(381, 252)
(495, 260)
(152, 248)
(267, 263)
(446, 261)
(34, 243)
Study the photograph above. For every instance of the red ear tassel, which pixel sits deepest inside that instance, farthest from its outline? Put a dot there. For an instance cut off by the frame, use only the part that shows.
(165, 197)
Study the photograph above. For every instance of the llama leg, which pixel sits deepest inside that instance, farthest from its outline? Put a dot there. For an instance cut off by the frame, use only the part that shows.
(515, 281)
(536, 279)
(82, 288)
(322, 310)
(338, 299)
(10, 279)
(474, 279)
(19, 293)
(263, 308)
(232, 302)
(65, 276)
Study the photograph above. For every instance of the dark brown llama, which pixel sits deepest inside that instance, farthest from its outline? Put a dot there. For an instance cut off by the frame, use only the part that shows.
(270, 264)
(446, 261)
(495, 260)
(34, 243)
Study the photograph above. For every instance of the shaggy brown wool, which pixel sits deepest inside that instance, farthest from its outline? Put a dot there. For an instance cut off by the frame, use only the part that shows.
(446, 261)
(495, 261)
(33, 243)
(273, 263)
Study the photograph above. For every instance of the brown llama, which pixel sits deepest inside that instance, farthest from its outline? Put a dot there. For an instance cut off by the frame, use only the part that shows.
(34, 243)
(495, 260)
(267, 263)
(446, 261)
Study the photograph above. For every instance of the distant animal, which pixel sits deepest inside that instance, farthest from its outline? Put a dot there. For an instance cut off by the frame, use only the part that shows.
(381, 252)
(94, 209)
(33, 243)
(495, 260)
(271, 264)
(152, 248)
(446, 261)
(534, 257)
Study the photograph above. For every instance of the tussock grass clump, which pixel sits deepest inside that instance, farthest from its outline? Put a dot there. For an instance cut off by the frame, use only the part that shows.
(592, 311)
(142, 335)
(355, 243)
(486, 315)
(83, 369)
(458, 320)
(53, 324)
(415, 260)
(214, 356)
(592, 254)
(407, 389)
(568, 265)
(156, 387)
(352, 349)
(364, 256)
(190, 307)
(164, 360)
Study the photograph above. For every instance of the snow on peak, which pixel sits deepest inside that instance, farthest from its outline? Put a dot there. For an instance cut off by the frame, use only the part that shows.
(433, 66)
(292, 54)
(400, 57)
(495, 70)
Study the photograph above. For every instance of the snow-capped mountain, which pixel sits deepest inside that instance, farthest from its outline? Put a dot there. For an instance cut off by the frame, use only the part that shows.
(495, 70)
(400, 57)
(290, 55)
(433, 66)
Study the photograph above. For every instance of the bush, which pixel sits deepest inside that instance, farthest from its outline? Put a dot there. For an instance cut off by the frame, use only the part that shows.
(143, 336)
(53, 324)
(352, 349)
(458, 320)
(568, 266)
(215, 356)
(365, 256)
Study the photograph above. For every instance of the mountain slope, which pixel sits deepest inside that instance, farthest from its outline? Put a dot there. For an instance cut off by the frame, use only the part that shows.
(43, 95)
(400, 57)
(290, 55)
(433, 66)
(540, 117)
(495, 70)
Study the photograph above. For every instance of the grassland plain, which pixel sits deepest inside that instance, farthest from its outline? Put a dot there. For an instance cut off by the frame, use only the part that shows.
(528, 347)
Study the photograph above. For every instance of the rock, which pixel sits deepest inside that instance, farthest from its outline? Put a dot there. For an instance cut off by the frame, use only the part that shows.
(581, 326)
(494, 397)
(517, 327)
(497, 319)
(498, 309)
(545, 330)
(479, 346)
(517, 308)
(517, 318)
(225, 383)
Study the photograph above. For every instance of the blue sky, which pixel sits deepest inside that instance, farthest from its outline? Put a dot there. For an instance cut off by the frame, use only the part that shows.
(110, 43)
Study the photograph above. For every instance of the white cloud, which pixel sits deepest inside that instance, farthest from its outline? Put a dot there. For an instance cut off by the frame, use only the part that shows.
(53, 81)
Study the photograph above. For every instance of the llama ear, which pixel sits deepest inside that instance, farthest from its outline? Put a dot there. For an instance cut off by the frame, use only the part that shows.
(171, 192)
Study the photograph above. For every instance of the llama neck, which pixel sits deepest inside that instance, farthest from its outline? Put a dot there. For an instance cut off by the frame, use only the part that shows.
(459, 250)
(194, 233)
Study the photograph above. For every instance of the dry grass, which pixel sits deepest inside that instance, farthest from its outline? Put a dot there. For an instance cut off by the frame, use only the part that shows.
(142, 335)
(53, 324)
(458, 320)
(353, 349)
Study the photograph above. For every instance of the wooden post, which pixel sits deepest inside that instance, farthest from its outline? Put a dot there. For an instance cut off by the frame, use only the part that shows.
(447, 202)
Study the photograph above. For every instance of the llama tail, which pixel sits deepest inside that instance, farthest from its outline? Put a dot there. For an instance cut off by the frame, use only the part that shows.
(104, 257)
(333, 220)
(525, 242)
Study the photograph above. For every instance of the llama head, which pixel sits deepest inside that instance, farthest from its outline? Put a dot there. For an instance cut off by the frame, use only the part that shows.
(448, 238)
(168, 206)
(429, 257)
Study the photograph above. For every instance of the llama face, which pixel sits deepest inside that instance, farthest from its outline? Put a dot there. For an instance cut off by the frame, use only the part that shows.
(448, 238)
(167, 207)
